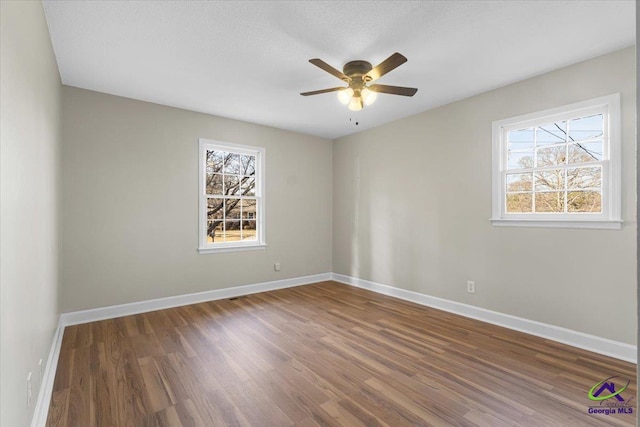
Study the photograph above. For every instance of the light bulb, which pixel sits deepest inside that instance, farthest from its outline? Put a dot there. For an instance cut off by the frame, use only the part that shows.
(355, 104)
(368, 96)
(344, 96)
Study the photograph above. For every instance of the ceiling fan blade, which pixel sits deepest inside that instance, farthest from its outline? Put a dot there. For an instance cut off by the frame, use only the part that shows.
(317, 92)
(329, 69)
(394, 90)
(385, 66)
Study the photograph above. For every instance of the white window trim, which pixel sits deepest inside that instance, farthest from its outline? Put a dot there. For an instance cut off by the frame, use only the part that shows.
(260, 242)
(611, 216)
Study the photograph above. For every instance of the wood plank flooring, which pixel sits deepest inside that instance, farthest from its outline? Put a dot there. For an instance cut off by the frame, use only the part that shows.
(322, 355)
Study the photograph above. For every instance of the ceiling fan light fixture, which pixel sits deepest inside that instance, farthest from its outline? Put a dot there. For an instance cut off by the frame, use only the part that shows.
(355, 104)
(344, 96)
(368, 96)
(358, 74)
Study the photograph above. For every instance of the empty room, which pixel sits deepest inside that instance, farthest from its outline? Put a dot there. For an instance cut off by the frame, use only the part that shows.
(318, 213)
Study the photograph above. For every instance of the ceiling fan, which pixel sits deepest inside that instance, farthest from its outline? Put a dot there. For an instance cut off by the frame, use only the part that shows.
(358, 75)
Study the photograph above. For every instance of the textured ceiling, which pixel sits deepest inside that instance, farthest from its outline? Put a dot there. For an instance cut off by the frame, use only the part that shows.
(248, 60)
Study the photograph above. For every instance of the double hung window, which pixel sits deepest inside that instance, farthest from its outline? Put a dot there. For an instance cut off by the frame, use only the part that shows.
(559, 167)
(231, 197)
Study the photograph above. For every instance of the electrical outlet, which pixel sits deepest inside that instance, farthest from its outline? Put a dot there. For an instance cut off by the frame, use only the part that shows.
(471, 287)
(276, 266)
(29, 390)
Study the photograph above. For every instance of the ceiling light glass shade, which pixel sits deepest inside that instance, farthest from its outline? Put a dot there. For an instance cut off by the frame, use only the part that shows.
(355, 104)
(345, 95)
(368, 96)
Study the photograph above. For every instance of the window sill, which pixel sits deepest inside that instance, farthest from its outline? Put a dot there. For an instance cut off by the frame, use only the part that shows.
(554, 223)
(235, 248)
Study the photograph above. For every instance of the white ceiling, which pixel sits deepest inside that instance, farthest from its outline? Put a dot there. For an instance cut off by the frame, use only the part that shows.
(248, 60)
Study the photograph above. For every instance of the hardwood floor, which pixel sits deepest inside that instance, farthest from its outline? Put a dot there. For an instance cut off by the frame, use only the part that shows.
(322, 355)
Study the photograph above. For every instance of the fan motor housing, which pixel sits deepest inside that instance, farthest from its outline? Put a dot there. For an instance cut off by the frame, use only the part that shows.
(356, 68)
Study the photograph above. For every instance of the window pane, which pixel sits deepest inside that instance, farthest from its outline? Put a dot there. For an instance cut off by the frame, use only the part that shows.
(248, 209)
(232, 164)
(215, 233)
(215, 208)
(229, 200)
(232, 208)
(550, 202)
(554, 155)
(586, 128)
(521, 139)
(550, 180)
(214, 183)
(248, 164)
(231, 185)
(554, 133)
(248, 230)
(232, 231)
(584, 177)
(519, 203)
(584, 201)
(248, 185)
(214, 161)
(585, 152)
(520, 160)
(519, 182)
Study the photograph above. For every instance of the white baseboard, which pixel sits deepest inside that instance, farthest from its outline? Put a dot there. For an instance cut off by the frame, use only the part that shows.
(593, 343)
(110, 312)
(46, 387)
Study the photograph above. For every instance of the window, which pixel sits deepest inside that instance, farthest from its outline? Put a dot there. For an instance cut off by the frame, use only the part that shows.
(231, 197)
(559, 167)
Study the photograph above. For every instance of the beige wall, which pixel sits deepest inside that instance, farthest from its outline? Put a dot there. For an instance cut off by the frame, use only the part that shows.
(130, 202)
(29, 159)
(412, 202)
